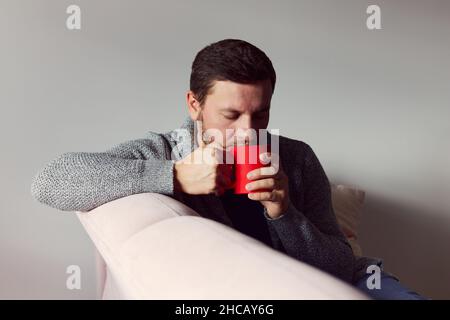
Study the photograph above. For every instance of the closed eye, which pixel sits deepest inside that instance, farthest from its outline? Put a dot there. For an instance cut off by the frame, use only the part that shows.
(231, 117)
(259, 115)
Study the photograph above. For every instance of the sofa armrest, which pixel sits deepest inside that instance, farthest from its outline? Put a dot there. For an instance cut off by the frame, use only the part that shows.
(157, 248)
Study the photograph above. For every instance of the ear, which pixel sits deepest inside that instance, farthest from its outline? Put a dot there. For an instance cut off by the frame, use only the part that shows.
(194, 107)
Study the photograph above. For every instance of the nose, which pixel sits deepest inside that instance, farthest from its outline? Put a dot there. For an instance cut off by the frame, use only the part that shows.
(245, 133)
(243, 122)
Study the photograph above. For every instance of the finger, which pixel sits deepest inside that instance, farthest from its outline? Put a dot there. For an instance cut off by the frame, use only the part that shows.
(199, 125)
(269, 183)
(263, 172)
(223, 153)
(263, 196)
(272, 158)
(265, 158)
(204, 137)
(217, 151)
(269, 171)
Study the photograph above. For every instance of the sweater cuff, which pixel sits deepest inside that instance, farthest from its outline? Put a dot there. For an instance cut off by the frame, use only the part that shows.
(289, 217)
(284, 216)
(158, 176)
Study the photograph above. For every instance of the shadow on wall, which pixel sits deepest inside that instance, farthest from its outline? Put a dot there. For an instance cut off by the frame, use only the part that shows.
(413, 243)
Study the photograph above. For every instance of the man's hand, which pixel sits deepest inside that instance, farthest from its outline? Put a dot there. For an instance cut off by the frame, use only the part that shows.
(276, 201)
(203, 171)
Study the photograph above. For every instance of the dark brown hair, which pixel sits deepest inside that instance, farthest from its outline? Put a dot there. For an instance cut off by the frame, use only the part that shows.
(230, 59)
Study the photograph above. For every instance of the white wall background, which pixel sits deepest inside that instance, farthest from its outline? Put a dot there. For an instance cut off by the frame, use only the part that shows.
(374, 105)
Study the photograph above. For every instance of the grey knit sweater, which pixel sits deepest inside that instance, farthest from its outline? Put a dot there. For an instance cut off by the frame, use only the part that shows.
(307, 231)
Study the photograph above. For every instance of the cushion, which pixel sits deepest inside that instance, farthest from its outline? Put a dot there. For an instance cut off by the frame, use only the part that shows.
(347, 204)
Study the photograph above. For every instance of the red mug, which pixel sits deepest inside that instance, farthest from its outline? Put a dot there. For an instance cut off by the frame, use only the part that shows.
(246, 159)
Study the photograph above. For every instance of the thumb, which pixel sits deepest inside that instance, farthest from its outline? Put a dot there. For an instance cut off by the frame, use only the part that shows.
(265, 157)
(199, 125)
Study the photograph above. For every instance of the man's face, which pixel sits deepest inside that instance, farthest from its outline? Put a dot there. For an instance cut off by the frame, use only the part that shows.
(231, 105)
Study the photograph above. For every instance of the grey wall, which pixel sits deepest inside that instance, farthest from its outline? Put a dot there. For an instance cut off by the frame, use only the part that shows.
(374, 105)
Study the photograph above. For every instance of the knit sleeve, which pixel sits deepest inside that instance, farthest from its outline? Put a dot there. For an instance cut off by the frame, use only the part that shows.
(82, 181)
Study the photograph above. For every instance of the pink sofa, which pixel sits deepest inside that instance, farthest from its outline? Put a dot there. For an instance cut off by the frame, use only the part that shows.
(153, 247)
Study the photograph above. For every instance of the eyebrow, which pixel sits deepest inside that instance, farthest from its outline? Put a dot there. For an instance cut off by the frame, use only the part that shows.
(230, 109)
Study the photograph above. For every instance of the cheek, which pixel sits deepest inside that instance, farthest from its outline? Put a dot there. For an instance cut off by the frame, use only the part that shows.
(213, 117)
(221, 123)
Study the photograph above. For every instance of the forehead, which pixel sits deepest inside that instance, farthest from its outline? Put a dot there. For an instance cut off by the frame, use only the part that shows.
(240, 97)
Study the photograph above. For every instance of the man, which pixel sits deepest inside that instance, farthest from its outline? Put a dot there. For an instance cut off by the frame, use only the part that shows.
(231, 87)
